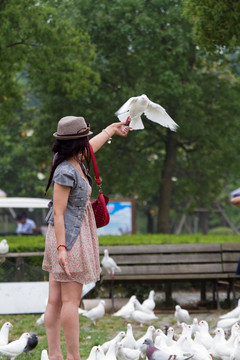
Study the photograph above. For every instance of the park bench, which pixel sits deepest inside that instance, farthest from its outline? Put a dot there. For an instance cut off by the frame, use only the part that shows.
(168, 264)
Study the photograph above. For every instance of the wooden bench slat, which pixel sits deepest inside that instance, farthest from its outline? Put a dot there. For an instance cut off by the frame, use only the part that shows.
(23, 254)
(230, 267)
(231, 247)
(172, 269)
(230, 257)
(167, 258)
(214, 276)
(153, 249)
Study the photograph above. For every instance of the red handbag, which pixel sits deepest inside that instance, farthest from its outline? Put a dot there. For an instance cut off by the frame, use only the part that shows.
(99, 206)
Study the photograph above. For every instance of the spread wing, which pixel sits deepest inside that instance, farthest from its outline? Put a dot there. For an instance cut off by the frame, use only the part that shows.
(126, 106)
(158, 114)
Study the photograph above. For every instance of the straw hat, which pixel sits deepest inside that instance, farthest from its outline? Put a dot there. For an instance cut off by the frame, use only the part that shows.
(72, 127)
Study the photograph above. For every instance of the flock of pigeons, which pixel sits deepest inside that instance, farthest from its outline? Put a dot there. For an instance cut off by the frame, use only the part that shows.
(26, 343)
(193, 341)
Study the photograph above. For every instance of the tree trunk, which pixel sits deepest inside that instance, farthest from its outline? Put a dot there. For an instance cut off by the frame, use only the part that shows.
(150, 222)
(166, 184)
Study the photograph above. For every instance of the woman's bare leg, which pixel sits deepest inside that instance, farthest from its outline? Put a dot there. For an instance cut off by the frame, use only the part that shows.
(71, 297)
(52, 319)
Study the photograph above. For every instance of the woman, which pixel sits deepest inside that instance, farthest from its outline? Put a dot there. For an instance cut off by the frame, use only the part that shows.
(71, 253)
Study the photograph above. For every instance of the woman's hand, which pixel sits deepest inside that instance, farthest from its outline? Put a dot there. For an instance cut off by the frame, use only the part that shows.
(119, 128)
(62, 260)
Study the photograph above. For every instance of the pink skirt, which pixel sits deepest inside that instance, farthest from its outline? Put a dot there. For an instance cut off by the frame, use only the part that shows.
(83, 258)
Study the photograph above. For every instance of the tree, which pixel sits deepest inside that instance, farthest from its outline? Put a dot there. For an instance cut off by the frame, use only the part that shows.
(215, 23)
(136, 47)
(45, 67)
(147, 47)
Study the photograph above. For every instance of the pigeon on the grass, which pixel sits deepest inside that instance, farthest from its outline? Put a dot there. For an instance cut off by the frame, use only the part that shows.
(195, 326)
(200, 350)
(181, 315)
(4, 332)
(44, 355)
(227, 323)
(4, 247)
(170, 337)
(16, 347)
(205, 338)
(117, 338)
(125, 353)
(235, 313)
(154, 353)
(40, 321)
(219, 348)
(235, 332)
(134, 107)
(31, 343)
(96, 313)
(129, 340)
(142, 317)
(100, 353)
(236, 351)
(159, 338)
(149, 303)
(112, 351)
(147, 335)
(109, 264)
(127, 309)
(81, 311)
(139, 306)
(92, 354)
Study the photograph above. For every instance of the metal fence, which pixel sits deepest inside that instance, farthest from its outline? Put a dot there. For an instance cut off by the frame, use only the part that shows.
(18, 268)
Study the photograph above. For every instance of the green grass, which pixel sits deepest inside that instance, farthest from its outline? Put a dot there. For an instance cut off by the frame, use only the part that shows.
(37, 243)
(90, 335)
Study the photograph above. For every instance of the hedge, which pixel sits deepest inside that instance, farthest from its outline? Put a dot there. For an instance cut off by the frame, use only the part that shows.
(29, 243)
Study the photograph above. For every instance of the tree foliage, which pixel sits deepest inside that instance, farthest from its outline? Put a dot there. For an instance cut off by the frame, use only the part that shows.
(147, 47)
(122, 48)
(215, 23)
(45, 67)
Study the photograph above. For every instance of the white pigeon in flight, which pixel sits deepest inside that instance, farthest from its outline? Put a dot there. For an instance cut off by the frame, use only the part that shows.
(134, 107)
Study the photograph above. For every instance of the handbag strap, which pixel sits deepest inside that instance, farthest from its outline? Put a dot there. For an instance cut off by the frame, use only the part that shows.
(95, 168)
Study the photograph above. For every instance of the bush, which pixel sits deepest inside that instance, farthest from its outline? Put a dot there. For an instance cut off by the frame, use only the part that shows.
(31, 243)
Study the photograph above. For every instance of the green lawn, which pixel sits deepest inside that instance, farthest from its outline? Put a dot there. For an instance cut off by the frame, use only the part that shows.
(91, 335)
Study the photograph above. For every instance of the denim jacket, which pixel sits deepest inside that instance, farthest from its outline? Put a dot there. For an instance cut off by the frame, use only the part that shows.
(66, 174)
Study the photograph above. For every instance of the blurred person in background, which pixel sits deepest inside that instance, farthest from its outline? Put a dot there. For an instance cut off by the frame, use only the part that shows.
(25, 225)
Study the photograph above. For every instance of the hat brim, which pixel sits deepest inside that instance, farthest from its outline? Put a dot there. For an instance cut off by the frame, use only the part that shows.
(72, 137)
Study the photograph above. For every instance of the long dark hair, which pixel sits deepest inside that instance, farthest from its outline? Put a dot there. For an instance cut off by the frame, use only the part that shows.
(65, 149)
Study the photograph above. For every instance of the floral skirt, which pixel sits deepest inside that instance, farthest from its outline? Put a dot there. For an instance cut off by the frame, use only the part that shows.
(83, 257)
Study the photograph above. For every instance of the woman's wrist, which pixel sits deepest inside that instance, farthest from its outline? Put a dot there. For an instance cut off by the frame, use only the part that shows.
(109, 131)
(61, 247)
